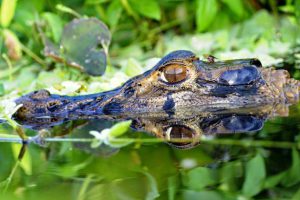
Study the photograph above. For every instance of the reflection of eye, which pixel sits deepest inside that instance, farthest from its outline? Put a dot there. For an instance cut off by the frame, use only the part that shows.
(174, 73)
(180, 136)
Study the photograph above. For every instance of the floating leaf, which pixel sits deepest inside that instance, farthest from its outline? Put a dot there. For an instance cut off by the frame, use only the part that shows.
(255, 175)
(83, 45)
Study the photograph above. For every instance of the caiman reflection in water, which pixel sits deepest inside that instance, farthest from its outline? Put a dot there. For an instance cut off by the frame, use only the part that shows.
(186, 127)
(181, 96)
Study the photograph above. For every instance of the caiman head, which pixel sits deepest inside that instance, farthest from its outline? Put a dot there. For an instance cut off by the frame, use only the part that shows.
(179, 81)
(182, 81)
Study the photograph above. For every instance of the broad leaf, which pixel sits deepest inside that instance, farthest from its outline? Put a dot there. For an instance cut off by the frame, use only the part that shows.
(292, 175)
(199, 178)
(7, 11)
(255, 175)
(83, 45)
(148, 8)
(55, 24)
(235, 6)
(206, 12)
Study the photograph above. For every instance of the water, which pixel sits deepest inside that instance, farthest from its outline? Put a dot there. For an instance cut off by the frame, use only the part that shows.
(225, 154)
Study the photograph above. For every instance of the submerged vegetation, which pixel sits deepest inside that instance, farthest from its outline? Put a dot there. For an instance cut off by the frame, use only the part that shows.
(39, 51)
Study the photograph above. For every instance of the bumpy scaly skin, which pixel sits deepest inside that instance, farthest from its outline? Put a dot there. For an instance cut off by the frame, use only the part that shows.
(209, 87)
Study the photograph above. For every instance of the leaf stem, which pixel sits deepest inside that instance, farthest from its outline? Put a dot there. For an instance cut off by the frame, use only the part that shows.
(33, 55)
(5, 57)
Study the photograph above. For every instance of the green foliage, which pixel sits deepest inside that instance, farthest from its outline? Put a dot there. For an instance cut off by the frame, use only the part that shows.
(141, 30)
(292, 175)
(206, 13)
(255, 175)
(200, 178)
(84, 45)
(1, 89)
(7, 11)
(148, 8)
(55, 24)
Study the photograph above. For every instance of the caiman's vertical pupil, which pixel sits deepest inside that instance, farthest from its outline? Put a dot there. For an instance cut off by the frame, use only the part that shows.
(174, 73)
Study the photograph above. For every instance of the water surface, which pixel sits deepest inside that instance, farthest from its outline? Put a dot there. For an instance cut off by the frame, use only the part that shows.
(223, 154)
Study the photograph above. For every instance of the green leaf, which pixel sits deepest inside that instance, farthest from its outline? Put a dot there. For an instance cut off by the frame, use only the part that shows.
(199, 178)
(209, 195)
(296, 196)
(292, 175)
(26, 162)
(255, 175)
(2, 91)
(119, 128)
(229, 174)
(173, 185)
(236, 6)
(152, 191)
(114, 12)
(206, 12)
(272, 181)
(7, 11)
(297, 10)
(132, 68)
(55, 23)
(83, 45)
(148, 8)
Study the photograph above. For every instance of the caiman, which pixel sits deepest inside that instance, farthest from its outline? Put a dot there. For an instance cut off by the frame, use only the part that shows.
(179, 81)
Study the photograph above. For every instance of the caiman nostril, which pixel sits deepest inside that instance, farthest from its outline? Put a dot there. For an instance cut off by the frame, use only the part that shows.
(128, 92)
(112, 108)
(40, 94)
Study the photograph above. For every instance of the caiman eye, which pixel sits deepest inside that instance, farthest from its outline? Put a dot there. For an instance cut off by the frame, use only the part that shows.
(182, 136)
(174, 73)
